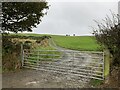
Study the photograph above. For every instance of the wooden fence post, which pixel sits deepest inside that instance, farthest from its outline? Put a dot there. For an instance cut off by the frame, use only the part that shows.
(103, 65)
(107, 61)
(22, 54)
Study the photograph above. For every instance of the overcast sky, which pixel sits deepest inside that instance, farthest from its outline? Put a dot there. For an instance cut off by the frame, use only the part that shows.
(74, 17)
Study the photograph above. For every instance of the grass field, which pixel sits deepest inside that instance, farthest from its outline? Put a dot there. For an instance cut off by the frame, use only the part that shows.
(84, 43)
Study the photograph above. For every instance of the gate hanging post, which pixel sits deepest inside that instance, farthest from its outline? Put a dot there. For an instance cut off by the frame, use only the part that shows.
(103, 66)
(22, 54)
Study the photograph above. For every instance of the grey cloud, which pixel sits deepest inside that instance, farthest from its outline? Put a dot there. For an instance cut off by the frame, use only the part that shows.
(74, 17)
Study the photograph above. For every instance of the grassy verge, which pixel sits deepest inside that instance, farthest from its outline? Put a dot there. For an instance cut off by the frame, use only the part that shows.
(95, 83)
(84, 43)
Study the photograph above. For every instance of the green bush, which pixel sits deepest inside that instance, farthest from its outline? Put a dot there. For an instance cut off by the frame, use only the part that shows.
(10, 53)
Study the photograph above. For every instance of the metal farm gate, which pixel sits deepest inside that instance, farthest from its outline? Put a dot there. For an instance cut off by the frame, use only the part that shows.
(84, 64)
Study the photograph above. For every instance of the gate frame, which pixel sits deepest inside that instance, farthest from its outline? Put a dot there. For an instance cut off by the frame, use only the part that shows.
(103, 66)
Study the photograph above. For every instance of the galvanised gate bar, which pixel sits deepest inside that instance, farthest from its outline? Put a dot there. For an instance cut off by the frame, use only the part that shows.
(83, 64)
